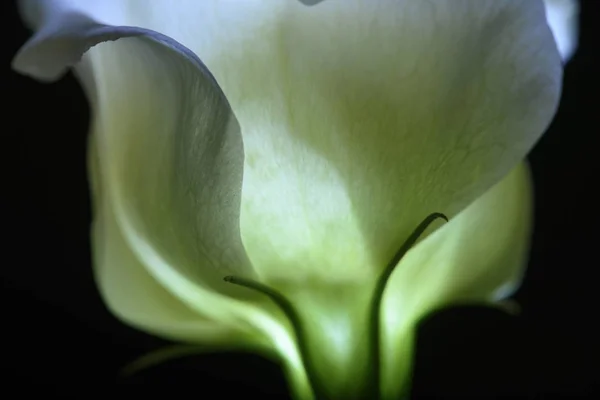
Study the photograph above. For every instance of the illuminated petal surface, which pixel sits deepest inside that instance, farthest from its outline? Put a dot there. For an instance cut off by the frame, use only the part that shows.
(358, 118)
(478, 257)
(353, 134)
(207, 27)
(173, 156)
(165, 161)
(169, 156)
(134, 296)
(563, 17)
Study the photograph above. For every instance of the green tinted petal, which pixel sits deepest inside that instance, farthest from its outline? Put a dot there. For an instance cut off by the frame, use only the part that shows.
(134, 296)
(173, 151)
(478, 257)
(174, 145)
(170, 164)
(360, 118)
(168, 156)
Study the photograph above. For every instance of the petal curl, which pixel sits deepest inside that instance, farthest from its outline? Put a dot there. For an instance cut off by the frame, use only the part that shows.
(563, 18)
(478, 257)
(173, 152)
(135, 297)
(169, 155)
(209, 27)
(64, 32)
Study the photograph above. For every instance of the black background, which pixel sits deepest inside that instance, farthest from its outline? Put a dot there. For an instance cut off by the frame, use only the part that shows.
(56, 337)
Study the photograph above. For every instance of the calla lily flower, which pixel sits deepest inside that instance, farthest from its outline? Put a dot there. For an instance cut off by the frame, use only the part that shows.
(261, 168)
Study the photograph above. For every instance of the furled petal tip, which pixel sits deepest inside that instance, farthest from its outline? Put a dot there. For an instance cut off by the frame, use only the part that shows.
(563, 18)
(61, 44)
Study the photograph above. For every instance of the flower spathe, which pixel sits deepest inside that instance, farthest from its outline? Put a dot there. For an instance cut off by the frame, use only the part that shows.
(298, 146)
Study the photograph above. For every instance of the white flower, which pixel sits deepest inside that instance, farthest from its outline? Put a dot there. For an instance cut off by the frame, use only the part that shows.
(296, 148)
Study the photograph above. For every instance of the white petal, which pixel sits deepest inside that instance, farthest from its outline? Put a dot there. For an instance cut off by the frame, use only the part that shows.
(207, 27)
(563, 18)
(357, 111)
(360, 118)
(134, 296)
(478, 257)
(169, 156)
(64, 31)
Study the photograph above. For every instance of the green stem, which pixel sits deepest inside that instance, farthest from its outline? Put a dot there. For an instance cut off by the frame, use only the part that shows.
(375, 323)
(289, 310)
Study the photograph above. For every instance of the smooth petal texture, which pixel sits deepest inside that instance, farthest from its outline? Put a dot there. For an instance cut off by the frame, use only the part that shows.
(208, 27)
(68, 27)
(165, 162)
(64, 32)
(169, 156)
(563, 18)
(322, 93)
(360, 118)
(466, 88)
(135, 297)
(130, 292)
(478, 257)
(176, 155)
